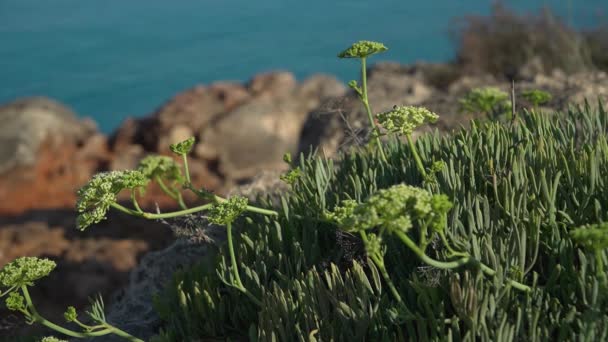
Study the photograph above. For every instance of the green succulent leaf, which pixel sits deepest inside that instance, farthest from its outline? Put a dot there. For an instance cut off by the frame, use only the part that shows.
(24, 271)
(161, 166)
(404, 120)
(226, 212)
(183, 147)
(362, 49)
(15, 302)
(95, 198)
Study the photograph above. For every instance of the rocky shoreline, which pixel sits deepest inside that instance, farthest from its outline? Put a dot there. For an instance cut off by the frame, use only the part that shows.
(242, 130)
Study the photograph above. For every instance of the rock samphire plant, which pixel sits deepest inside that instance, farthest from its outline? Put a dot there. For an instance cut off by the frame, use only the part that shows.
(493, 233)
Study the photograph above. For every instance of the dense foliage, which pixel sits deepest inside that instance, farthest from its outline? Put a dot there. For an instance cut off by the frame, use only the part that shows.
(519, 194)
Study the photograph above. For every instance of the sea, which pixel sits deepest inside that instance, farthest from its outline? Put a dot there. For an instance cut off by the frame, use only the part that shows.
(111, 59)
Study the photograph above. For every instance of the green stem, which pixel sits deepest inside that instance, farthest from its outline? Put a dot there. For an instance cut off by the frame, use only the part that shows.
(175, 195)
(365, 101)
(416, 156)
(186, 168)
(382, 268)
(456, 263)
(10, 289)
(180, 201)
(448, 247)
(153, 216)
(134, 200)
(599, 264)
(36, 317)
(250, 208)
(235, 270)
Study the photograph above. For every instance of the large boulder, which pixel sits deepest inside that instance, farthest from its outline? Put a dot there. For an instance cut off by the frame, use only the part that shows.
(46, 154)
(240, 129)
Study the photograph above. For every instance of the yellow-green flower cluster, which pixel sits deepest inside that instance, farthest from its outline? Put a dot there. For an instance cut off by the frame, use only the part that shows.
(52, 339)
(24, 271)
(182, 147)
(95, 198)
(161, 166)
(484, 100)
(226, 212)
(393, 209)
(70, 314)
(15, 302)
(342, 212)
(591, 236)
(405, 119)
(536, 96)
(362, 49)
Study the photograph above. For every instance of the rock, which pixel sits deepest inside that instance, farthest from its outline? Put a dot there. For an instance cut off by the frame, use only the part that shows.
(272, 84)
(46, 154)
(127, 158)
(27, 122)
(318, 88)
(252, 138)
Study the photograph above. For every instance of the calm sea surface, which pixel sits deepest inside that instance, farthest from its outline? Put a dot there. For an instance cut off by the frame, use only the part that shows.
(109, 59)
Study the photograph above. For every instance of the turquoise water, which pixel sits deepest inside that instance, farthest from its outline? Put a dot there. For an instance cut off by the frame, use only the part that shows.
(109, 59)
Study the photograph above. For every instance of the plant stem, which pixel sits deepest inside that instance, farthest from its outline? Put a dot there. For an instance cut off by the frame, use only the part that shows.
(456, 263)
(186, 168)
(365, 101)
(175, 195)
(382, 268)
(134, 200)
(153, 216)
(235, 270)
(36, 317)
(416, 156)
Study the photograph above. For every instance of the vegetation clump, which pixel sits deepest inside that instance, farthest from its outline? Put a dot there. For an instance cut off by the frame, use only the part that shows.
(483, 234)
(504, 42)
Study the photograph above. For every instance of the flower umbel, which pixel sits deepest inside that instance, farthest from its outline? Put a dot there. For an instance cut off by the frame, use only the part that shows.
(226, 212)
(405, 119)
(591, 236)
(52, 339)
(95, 198)
(24, 271)
(537, 97)
(485, 100)
(161, 166)
(70, 314)
(392, 209)
(15, 302)
(362, 49)
(182, 147)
